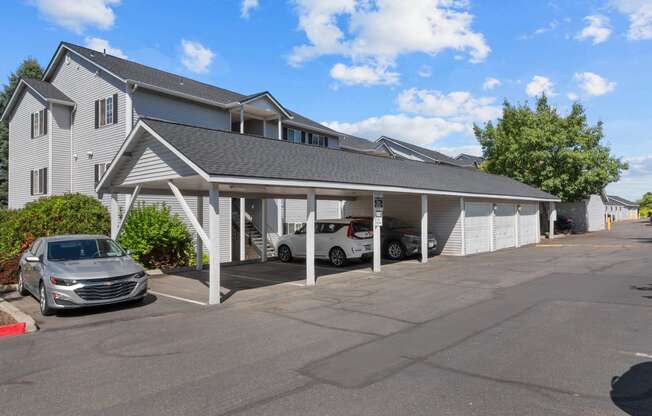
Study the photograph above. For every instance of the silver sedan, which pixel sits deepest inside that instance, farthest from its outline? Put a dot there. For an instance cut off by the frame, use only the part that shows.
(73, 271)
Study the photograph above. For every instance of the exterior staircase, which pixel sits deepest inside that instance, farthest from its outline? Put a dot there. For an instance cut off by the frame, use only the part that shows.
(255, 239)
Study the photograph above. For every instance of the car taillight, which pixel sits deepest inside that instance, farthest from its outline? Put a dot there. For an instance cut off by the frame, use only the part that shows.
(356, 235)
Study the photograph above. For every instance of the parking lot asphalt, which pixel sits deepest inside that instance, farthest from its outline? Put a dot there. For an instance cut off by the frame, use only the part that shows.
(562, 328)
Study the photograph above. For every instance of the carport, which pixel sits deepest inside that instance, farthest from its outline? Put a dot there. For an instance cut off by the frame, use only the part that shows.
(164, 158)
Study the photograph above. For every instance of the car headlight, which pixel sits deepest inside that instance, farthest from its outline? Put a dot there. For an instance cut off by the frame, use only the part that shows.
(140, 275)
(62, 282)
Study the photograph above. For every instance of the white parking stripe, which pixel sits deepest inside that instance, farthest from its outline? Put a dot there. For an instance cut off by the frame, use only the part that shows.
(196, 302)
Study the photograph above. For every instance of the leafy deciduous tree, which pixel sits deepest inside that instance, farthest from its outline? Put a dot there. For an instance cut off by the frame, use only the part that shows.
(561, 155)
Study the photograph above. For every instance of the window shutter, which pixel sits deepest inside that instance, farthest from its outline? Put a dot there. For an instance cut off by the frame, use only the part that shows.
(97, 174)
(97, 114)
(45, 121)
(32, 127)
(31, 178)
(115, 108)
(45, 180)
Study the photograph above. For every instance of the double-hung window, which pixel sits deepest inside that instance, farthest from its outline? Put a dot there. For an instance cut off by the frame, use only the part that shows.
(106, 111)
(39, 181)
(39, 123)
(100, 168)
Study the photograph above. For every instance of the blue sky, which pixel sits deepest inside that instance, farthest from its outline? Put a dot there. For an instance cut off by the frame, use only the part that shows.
(366, 67)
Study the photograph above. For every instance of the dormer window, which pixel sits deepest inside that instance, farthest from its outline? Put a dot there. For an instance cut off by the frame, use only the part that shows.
(106, 111)
(39, 123)
(298, 136)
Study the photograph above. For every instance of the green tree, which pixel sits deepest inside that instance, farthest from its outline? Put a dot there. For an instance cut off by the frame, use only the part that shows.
(30, 68)
(645, 205)
(561, 155)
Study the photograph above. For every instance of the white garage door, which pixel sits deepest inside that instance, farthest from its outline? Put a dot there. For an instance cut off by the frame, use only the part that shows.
(528, 221)
(477, 227)
(505, 226)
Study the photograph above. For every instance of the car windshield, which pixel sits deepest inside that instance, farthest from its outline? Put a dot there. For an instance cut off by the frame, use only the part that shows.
(96, 248)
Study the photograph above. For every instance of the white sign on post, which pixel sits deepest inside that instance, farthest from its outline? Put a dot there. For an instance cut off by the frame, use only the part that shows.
(378, 209)
(378, 221)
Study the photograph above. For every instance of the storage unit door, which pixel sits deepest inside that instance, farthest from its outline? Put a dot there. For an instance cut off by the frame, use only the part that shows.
(477, 227)
(528, 224)
(504, 226)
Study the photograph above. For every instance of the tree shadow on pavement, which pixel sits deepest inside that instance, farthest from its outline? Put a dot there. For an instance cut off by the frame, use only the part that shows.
(632, 391)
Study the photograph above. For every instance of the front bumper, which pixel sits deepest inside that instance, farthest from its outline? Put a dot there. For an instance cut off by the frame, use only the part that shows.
(361, 251)
(96, 292)
(413, 247)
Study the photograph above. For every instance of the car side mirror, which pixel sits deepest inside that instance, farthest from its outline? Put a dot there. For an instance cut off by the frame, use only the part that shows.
(33, 259)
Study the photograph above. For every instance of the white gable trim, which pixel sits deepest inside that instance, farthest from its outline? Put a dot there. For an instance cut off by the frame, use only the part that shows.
(51, 67)
(141, 126)
(23, 84)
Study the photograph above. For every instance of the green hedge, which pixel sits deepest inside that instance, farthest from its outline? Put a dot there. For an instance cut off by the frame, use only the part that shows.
(157, 238)
(55, 215)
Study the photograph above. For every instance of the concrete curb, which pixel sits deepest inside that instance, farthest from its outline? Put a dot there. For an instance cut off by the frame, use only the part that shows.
(18, 315)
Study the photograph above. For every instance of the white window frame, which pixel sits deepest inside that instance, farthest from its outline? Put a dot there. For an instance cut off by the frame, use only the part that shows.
(38, 126)
(39, 181)
(105, 109)
(99, 169)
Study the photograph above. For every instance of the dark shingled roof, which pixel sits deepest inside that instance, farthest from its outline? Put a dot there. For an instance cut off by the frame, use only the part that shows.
(219, 152)
(622, 201)
(357, 143)
(129, 70)
(47, 90)
(437, 156)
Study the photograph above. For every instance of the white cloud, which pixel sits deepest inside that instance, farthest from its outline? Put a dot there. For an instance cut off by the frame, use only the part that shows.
(540, 85)
(554, 24)
(76, 15)
(196, 57)
(573, 96)
(469, 149)
(593, 84)
(425, 71)
(490, 84)
(363, 75)
(247, 7)
(635, 181)
(460, 106)
(102, 45)
(598, 29)
(425, 116)
(415, 129)
(377, 32)
(639, 13)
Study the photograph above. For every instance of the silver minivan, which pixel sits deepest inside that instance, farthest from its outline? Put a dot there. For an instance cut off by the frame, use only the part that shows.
(73, 271)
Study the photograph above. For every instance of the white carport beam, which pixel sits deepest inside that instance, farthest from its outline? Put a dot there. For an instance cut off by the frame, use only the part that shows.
(199, 244)
(186, 209)
(424, 228)
(552, 214)
(115, 216)
(263, 230)
(242, 119)
(130, 203)
(310, 238)
(214, 296)
(243, 254)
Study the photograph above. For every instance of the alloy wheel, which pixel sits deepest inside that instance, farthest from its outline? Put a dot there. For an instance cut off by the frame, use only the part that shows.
(395, 251)
(337, 257)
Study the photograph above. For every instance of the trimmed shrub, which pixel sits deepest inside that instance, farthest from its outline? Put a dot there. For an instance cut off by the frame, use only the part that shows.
(55, 215)
(157, 238)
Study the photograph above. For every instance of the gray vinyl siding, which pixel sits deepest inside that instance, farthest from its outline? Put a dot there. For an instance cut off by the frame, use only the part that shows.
(165, 107)
(60, 149)
(25, 153)
(84, 84)
(295, 210)
(595, 213)
(151, 160)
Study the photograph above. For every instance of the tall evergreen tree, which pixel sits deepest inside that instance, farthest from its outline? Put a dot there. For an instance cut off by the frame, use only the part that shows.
(30, 68)
(561, 155)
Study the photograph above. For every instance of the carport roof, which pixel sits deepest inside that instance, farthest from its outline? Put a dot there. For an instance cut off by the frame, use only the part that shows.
(220, 153)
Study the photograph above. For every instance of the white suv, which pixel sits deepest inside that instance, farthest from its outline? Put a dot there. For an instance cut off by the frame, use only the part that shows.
(335, 240)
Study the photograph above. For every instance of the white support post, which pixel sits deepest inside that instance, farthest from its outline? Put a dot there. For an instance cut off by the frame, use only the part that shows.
(189, 214)
(264, 128)
(115, 216)
(242, 119)
(131, 200)
(279, 216)
(199, 245)
(214, 296)
(243, 254)
(517, 214)
(310, 238)
(492, 227)
(280, 129)
(552, 214)
(376, 240)
(263, 231)
(424, 228)
(462, 221)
